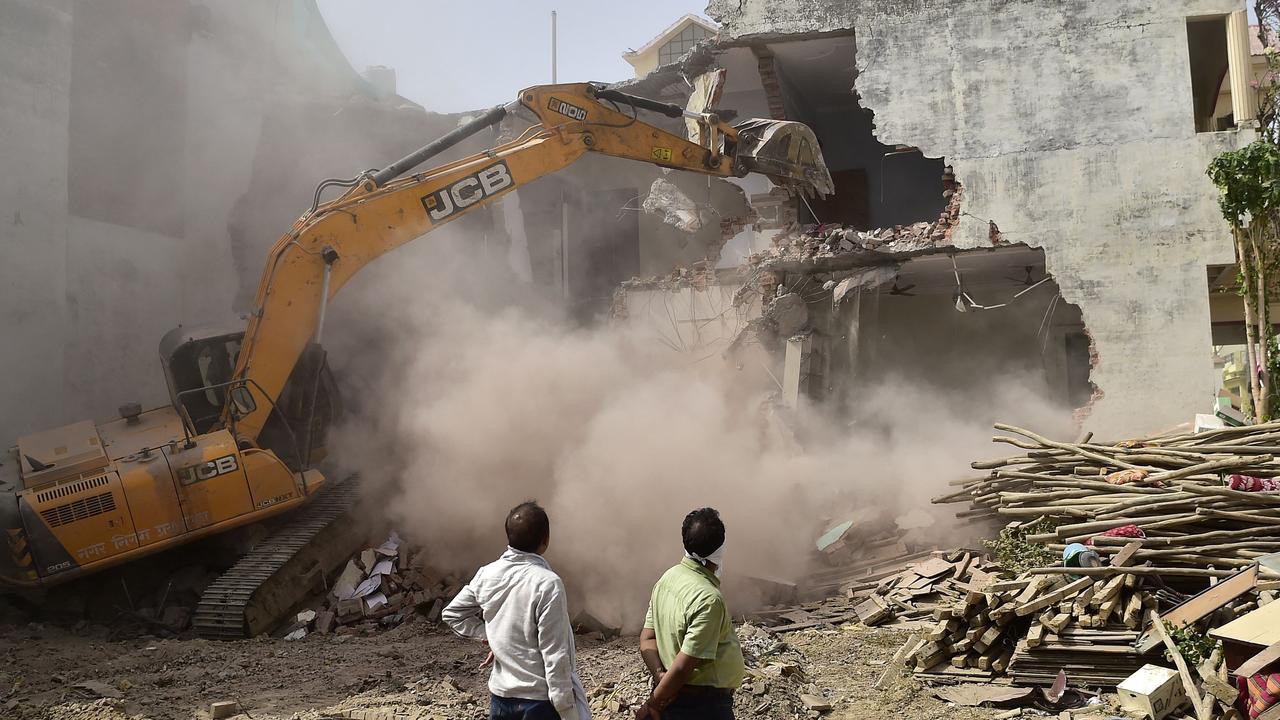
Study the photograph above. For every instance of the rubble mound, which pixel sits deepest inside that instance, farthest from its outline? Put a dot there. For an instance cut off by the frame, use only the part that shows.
(815, 243)
(379, 588)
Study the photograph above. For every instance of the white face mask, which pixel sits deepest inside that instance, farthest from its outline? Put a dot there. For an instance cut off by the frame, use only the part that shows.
(716, 557)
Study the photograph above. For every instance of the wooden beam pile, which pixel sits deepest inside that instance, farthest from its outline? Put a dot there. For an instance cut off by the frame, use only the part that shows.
(881, 589)
(919, 591)
(867, 561)
(1171, 487)
(1034, 626)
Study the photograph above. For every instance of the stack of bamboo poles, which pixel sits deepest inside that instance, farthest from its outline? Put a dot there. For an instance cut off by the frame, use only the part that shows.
(1195, 525)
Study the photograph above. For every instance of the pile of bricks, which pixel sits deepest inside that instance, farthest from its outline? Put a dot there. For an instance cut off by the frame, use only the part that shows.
(378, 587)
(814, 243)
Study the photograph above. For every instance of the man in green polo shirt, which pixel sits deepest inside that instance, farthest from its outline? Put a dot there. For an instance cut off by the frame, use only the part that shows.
(688, 642)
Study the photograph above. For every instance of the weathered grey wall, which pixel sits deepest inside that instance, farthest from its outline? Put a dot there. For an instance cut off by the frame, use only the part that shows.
(1069, 123)
(35, 77)
(83, 302)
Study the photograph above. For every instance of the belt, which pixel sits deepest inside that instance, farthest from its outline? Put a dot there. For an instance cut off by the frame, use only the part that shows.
(704, 690)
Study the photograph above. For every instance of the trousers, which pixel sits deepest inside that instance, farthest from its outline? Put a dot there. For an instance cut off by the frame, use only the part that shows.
(700, 706)
(501, 708)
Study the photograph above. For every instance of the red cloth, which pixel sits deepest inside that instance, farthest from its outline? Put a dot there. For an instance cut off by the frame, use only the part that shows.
(1247, 483)
(1262, 693)
(1126, 531)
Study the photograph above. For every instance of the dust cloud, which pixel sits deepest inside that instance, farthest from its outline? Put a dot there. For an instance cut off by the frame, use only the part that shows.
(473, 395)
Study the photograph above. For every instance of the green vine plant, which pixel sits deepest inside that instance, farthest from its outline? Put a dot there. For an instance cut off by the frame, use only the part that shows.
(1016, 554)
(1194, 646)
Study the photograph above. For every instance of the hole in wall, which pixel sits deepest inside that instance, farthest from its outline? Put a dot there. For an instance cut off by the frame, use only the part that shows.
(1207, 52)
(968, 323)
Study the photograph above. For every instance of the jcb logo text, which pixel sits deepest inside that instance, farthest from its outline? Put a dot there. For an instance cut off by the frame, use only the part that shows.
(205, 471)
(468, 191)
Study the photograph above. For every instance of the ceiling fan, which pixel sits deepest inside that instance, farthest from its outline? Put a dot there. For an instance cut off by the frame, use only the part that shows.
(900, 290)
(1027, 281)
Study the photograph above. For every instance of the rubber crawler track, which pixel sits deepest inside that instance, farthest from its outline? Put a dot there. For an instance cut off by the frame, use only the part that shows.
(282, 569)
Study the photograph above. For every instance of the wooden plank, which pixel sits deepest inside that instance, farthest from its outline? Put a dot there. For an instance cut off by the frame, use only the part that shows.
(1030, 592)
(1257, 663)
(1006, 585)
(1035, 636)
(1108, 591)
(1051, 598)
(1219, 688)
(1213, 598)
(1058, 622)
(871, 611)
(1188, 682)
(1206, 602)
(835, 620)
(1084, 598)
(1132, 611)
(988, 638)
(1107, 608)
(907, 650)
(1260, 627)
(932, 568)
(1125, 556)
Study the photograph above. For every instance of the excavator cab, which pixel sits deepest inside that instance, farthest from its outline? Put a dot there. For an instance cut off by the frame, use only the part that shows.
(199, 364)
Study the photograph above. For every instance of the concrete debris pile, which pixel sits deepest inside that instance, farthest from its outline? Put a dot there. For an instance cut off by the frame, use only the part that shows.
(811, 244)
(699, 275)
(1198, 503)
(378, 587)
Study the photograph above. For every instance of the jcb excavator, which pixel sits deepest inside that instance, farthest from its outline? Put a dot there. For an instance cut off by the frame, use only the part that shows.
(250, 407)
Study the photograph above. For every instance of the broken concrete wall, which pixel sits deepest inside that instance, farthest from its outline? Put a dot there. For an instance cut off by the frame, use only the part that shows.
(1070, 126)
(610, 237)
(965, 352)
(128, 140)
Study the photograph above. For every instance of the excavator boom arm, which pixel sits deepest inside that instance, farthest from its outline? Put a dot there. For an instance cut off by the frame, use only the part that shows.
(328, 245)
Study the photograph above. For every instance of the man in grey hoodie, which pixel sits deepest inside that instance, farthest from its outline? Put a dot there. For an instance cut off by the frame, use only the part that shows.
(518, 605)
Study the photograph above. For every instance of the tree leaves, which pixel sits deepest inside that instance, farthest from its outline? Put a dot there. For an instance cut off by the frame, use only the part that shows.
(1248, 181)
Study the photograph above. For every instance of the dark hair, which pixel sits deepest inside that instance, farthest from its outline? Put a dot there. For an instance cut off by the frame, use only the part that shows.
(702, 532)
(527, 526)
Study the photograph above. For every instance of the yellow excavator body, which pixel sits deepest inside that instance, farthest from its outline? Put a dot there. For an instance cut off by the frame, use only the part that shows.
(250, 406)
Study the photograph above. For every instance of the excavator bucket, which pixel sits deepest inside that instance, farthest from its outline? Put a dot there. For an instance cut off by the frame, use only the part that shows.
(787, 152)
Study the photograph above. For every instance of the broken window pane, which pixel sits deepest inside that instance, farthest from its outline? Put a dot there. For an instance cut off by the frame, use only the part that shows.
(681, 44)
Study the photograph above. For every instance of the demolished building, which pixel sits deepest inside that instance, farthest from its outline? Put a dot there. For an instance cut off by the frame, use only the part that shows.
(955, 131)
(1033, 175)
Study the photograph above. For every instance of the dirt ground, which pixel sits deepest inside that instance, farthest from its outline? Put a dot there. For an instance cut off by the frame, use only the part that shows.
(414, 672)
